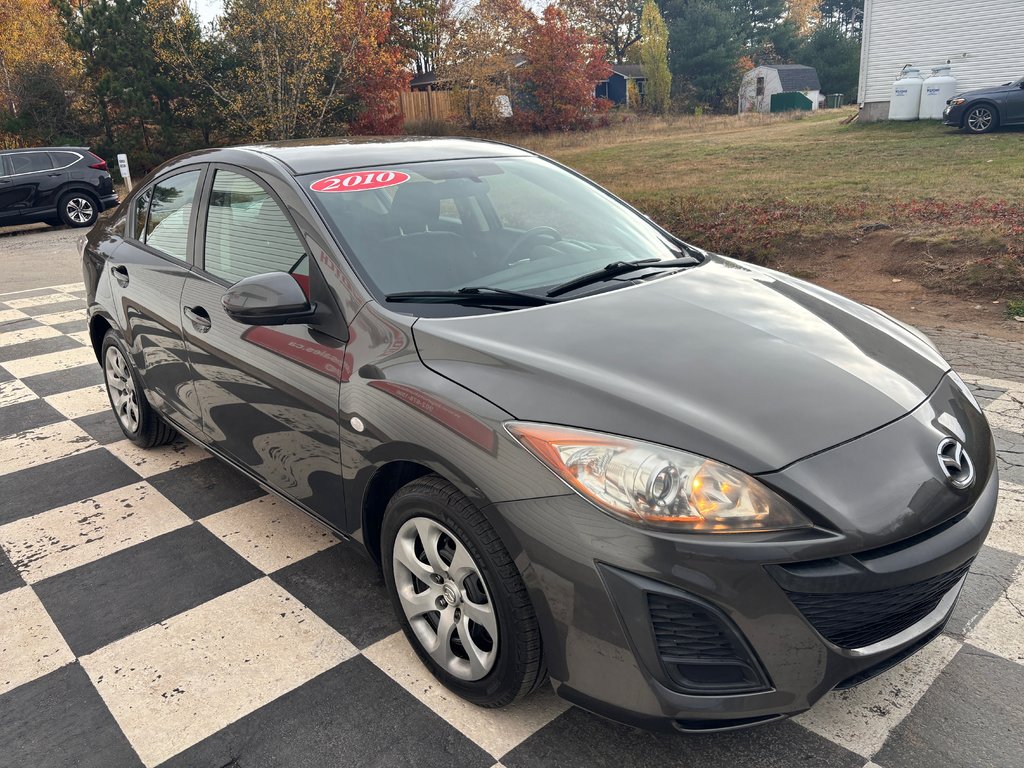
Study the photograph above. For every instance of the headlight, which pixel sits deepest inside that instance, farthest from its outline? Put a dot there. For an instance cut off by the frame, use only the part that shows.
(956, 102)
(656, 486)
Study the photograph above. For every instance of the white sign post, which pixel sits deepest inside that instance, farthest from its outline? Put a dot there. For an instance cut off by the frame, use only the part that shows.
(126, 174)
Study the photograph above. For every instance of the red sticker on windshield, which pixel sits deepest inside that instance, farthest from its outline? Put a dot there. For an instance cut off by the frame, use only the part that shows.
(359, 181)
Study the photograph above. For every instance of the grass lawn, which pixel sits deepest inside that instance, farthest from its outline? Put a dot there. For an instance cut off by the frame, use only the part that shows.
(758, 186)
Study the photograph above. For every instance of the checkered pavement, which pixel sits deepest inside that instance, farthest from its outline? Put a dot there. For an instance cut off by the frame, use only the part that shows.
(156, 608)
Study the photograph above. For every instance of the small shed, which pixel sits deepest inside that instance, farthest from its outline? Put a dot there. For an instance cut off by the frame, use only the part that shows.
(761, 83)
(616, 87)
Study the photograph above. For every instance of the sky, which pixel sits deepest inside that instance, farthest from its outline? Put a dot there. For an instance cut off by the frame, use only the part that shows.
(208, 10)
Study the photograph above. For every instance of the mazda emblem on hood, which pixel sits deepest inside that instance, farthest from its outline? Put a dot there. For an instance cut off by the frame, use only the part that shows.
(955, 463)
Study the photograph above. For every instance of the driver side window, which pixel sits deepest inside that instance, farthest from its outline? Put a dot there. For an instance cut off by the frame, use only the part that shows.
(248, 234)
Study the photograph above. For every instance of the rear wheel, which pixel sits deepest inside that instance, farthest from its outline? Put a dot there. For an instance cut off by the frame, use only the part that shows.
(139, 422)
(981, 119)
(78, 209)
(460, 598)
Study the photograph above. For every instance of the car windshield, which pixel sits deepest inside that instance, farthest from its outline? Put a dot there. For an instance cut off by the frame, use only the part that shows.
(508, 224)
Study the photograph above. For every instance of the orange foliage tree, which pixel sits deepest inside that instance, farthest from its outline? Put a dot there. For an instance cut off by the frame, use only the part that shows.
(371, 65)
(555, 87)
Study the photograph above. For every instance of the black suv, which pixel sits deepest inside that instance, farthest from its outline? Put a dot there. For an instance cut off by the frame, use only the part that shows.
(68, 185)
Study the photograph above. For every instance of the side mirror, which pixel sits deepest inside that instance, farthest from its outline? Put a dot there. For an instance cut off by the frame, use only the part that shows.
(272, 298)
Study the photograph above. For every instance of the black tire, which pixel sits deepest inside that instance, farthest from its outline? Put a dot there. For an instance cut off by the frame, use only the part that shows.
(518, 667)
(981, 118)
(78, 209)
(148, 430)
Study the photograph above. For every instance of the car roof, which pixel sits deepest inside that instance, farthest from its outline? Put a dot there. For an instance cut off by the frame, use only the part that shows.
(336, 154)
(44, 149)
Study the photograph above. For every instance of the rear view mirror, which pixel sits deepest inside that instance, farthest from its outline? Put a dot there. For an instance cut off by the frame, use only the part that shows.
(272, 298)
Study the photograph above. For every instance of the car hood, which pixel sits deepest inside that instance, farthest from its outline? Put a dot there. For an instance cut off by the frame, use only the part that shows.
(992, 91)
(730, 361)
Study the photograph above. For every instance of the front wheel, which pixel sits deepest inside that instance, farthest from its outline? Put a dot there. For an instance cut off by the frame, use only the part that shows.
(137, 419)
(981, 119)
(458, 595)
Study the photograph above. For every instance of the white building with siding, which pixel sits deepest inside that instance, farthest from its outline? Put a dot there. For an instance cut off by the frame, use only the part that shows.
(983, 40)
(763, 81)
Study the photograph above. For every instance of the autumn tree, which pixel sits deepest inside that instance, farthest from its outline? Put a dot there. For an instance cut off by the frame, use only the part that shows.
(478, 63)
(39, 75)
(370, 66)
(616, 23)
(555, 85)
(654, 58)
(804, 14)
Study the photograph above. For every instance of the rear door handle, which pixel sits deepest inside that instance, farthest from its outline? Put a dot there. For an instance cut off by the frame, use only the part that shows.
(120, 274)
(200, 318)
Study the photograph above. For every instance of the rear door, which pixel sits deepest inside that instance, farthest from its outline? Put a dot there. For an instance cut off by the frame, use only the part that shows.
(269, 395)
(147, 274)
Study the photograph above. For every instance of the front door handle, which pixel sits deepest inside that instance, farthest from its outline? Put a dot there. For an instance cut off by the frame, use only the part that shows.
(120, 274)
(200, 318)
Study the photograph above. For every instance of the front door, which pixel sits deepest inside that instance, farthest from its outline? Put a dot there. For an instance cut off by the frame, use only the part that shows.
(29, 180)
(269, 395)
(147, 275)
(1014, 104)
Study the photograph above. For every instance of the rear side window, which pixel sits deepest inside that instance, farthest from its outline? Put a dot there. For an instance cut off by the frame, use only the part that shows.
(29, 162)
(169, 211)
(247, 233)
(64, 159)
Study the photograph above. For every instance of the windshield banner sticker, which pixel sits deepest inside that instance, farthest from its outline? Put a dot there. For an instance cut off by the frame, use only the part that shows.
(359, 181)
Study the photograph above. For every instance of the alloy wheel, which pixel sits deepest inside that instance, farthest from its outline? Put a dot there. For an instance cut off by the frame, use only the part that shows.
(980, 119)
(79, 210)
(445, 598)
(121, 387)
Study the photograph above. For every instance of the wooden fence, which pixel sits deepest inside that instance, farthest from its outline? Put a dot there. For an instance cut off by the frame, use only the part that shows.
(418, 106)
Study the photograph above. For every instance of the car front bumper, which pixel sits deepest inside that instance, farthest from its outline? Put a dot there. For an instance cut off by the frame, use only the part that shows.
(953, 116)
(711, 632)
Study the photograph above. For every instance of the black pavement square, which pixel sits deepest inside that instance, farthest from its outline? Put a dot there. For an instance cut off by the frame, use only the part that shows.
(140, 586)
(971, 717)
(60, 306)
(46, 384)
(9, 576)
(72, 326)
(206, 487)
(577, 738)
(5, 375)
(345, 589)
(27, 415)
(29, 294)
(351, 715)
(37, 347)
(991, 573)
(18, 325)
(56, 483)
(101, 427)
(60, 721)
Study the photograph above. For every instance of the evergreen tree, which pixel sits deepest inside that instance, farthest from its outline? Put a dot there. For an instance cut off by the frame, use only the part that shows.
(705, 48)
(836, 57)
(654, 58)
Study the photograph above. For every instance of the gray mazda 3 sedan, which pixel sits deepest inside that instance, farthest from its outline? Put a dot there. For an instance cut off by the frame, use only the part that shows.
(691, 492)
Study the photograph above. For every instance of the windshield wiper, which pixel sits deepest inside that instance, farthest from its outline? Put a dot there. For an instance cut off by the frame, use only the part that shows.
(473, 294)
(616, 268)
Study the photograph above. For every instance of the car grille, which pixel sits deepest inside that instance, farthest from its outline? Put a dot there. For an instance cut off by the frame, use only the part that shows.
(860, 619)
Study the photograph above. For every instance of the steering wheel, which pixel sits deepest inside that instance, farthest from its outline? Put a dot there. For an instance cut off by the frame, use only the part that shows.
(528, 237)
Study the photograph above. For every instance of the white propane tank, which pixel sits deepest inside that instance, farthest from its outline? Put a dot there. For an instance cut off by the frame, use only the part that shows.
(936, 89)
(906, 95)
